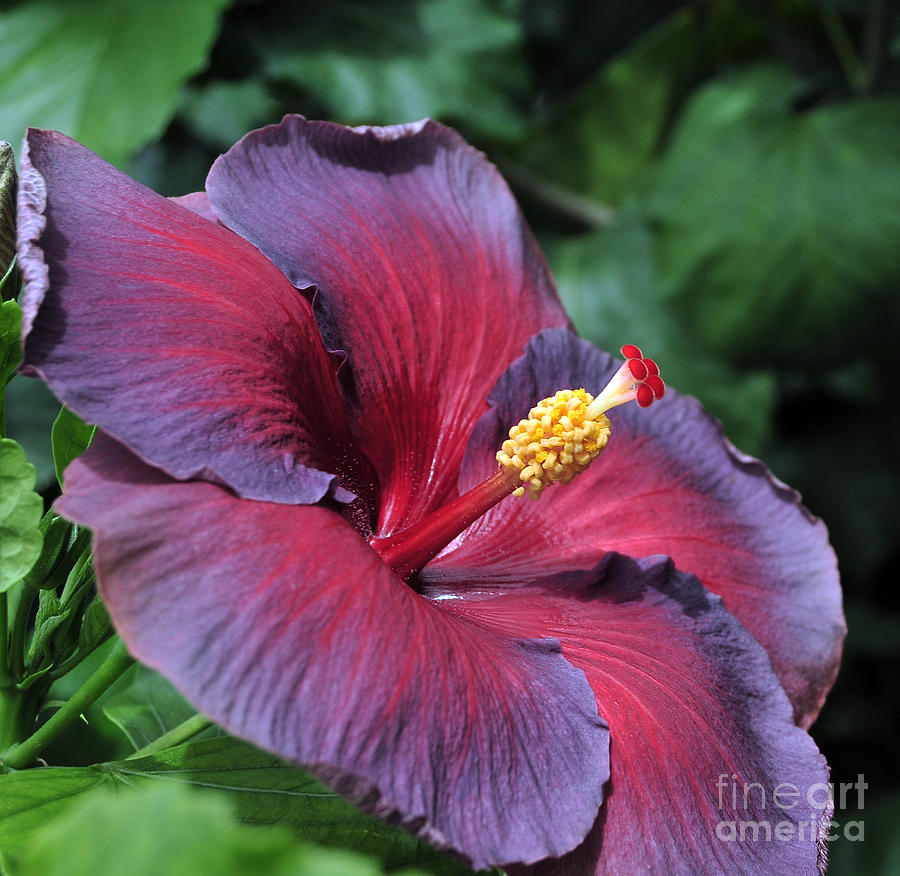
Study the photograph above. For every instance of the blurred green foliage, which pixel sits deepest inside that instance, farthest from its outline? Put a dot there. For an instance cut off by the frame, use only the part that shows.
(778, 228)
(106, 73)
(192, 833)
(717, 181)
(458, 60)
(259, 788)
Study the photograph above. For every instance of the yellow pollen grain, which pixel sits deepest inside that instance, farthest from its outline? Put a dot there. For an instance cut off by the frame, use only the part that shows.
(555, 443)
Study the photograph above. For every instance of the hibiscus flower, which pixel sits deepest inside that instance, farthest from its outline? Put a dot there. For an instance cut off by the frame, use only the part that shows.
(303, 378)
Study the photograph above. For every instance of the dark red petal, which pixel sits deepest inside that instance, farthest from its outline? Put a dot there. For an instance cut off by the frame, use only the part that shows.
(652, 367)
(694, 710)
(668, 483)
(428, 278)
(281, 624)
(171, 332)
(630, 351)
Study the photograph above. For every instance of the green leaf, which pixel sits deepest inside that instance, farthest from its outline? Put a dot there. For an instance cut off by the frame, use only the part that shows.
(263, 790)
(597, 141)
(7, 208)
(222, 112)
(147, 708)
(10, 343)
(169, 829)
(779, 228)
(608, 282)
(30, 798)
(396, 61)
(69, 438)
(106, 73)
(20, 514)
(10, 348)
(11, 282)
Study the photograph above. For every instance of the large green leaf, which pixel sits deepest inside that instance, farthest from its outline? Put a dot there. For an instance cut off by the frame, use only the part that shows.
(603, 136)
(106, 72)
(168, 829)
(396, 61)
(262, 789)
(20, 514)
(222, 112)
(608, 282)
(779, 227)
(147, 708)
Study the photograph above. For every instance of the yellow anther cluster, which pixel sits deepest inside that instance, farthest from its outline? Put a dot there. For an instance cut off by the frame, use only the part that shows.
(555, 443)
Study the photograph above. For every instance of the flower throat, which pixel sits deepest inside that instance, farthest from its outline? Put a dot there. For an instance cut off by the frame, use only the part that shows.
(558, 440)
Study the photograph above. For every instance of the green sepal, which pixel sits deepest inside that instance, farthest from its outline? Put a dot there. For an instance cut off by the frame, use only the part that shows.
(50, 616)
(57, 535)
(95, 629)
(70, 437)
(68, 625)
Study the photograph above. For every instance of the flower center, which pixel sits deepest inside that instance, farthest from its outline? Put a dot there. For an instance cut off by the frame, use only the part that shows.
(557, 441)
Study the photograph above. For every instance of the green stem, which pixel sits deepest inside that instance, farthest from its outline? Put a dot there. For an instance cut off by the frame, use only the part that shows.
(23, 754)
(562, 201)
(17, 708)
(184, 731)
(17, 711)
(10, 705)
(5, 677)
(19, 631)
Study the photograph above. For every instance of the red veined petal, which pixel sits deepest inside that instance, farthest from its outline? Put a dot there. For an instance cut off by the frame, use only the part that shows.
(174, 334)
(428, 278)
(667, 483)
(696, 714)
(281, 624)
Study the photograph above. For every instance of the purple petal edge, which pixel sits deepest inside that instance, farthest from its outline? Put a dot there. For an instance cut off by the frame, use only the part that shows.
(316, 651)
(31, 222)
(668, 483)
